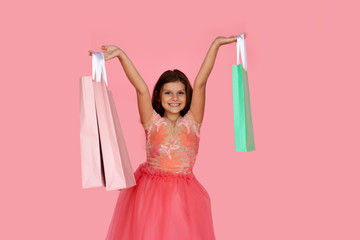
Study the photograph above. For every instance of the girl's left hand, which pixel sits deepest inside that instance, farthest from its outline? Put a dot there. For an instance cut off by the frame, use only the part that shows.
(226, 40)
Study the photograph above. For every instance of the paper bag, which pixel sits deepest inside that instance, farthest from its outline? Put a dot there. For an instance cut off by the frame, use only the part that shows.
(243, 127)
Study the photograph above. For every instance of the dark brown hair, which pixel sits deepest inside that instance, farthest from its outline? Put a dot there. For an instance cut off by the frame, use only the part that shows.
(171, 76)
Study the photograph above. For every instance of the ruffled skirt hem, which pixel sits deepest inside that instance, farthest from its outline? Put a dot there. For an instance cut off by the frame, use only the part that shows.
(162, 206)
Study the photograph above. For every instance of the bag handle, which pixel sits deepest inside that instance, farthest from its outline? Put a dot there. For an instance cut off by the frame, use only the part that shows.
(98, 66)
(240, 44)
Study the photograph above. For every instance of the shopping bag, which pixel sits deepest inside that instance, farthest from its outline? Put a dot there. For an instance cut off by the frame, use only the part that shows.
(243, 127)
(116, 164)
(91, 162)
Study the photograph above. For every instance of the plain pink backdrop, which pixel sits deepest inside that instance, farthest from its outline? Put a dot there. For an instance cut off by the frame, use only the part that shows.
(302, 182)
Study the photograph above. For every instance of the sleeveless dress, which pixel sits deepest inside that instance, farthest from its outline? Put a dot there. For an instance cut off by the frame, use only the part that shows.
(167, 202)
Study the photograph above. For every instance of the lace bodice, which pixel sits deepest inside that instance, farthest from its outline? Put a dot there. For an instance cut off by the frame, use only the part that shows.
(172, 149)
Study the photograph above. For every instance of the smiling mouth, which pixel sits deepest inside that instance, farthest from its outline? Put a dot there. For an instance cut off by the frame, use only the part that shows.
(174, 105)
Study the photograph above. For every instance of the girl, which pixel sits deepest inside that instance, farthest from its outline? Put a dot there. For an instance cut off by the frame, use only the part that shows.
(167, 202)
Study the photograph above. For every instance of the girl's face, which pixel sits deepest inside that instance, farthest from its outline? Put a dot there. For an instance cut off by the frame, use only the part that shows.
(173, 97)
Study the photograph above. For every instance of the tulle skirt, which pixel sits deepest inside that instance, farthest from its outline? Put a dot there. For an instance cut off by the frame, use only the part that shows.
(162, 206)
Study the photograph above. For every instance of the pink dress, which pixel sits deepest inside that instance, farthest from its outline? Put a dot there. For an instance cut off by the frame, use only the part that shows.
(167, 202)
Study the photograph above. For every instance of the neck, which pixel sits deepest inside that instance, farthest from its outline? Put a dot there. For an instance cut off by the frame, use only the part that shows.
(172, 116)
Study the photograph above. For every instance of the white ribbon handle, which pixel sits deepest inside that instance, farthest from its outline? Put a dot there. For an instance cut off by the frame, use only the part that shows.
(240, 44)
(98, 66)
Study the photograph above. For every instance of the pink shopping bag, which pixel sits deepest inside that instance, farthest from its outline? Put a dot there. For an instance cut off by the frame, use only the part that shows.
(92, 172)
(116, 163)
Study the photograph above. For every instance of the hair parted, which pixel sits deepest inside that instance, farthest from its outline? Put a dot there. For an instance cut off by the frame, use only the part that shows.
(171, 76)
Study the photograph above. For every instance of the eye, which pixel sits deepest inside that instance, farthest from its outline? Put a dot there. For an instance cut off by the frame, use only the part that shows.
(167, 92)
(181, 92)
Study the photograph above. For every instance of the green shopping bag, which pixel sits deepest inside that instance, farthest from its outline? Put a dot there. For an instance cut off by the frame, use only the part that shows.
(243, 127)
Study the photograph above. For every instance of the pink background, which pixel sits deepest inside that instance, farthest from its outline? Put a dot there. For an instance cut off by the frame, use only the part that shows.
(302, 182)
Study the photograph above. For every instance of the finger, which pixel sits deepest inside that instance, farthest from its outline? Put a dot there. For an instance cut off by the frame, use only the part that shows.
(107, 57)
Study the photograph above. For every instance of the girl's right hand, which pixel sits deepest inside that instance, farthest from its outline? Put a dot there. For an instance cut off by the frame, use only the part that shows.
(110, 51)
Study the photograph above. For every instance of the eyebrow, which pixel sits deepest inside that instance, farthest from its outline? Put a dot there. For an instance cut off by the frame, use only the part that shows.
(171, 91)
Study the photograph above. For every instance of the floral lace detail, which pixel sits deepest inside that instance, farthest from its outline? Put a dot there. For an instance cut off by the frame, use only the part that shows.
(168, 176)
(169, 146)
(196, 126)
(186, 123)
(158, 123)
(168, 153)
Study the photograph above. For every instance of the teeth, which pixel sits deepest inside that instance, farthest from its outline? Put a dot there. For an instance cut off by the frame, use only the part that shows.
(174, 105)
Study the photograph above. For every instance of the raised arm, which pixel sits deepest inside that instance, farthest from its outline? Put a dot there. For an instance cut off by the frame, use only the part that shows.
(198, 97)
(142, 91)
